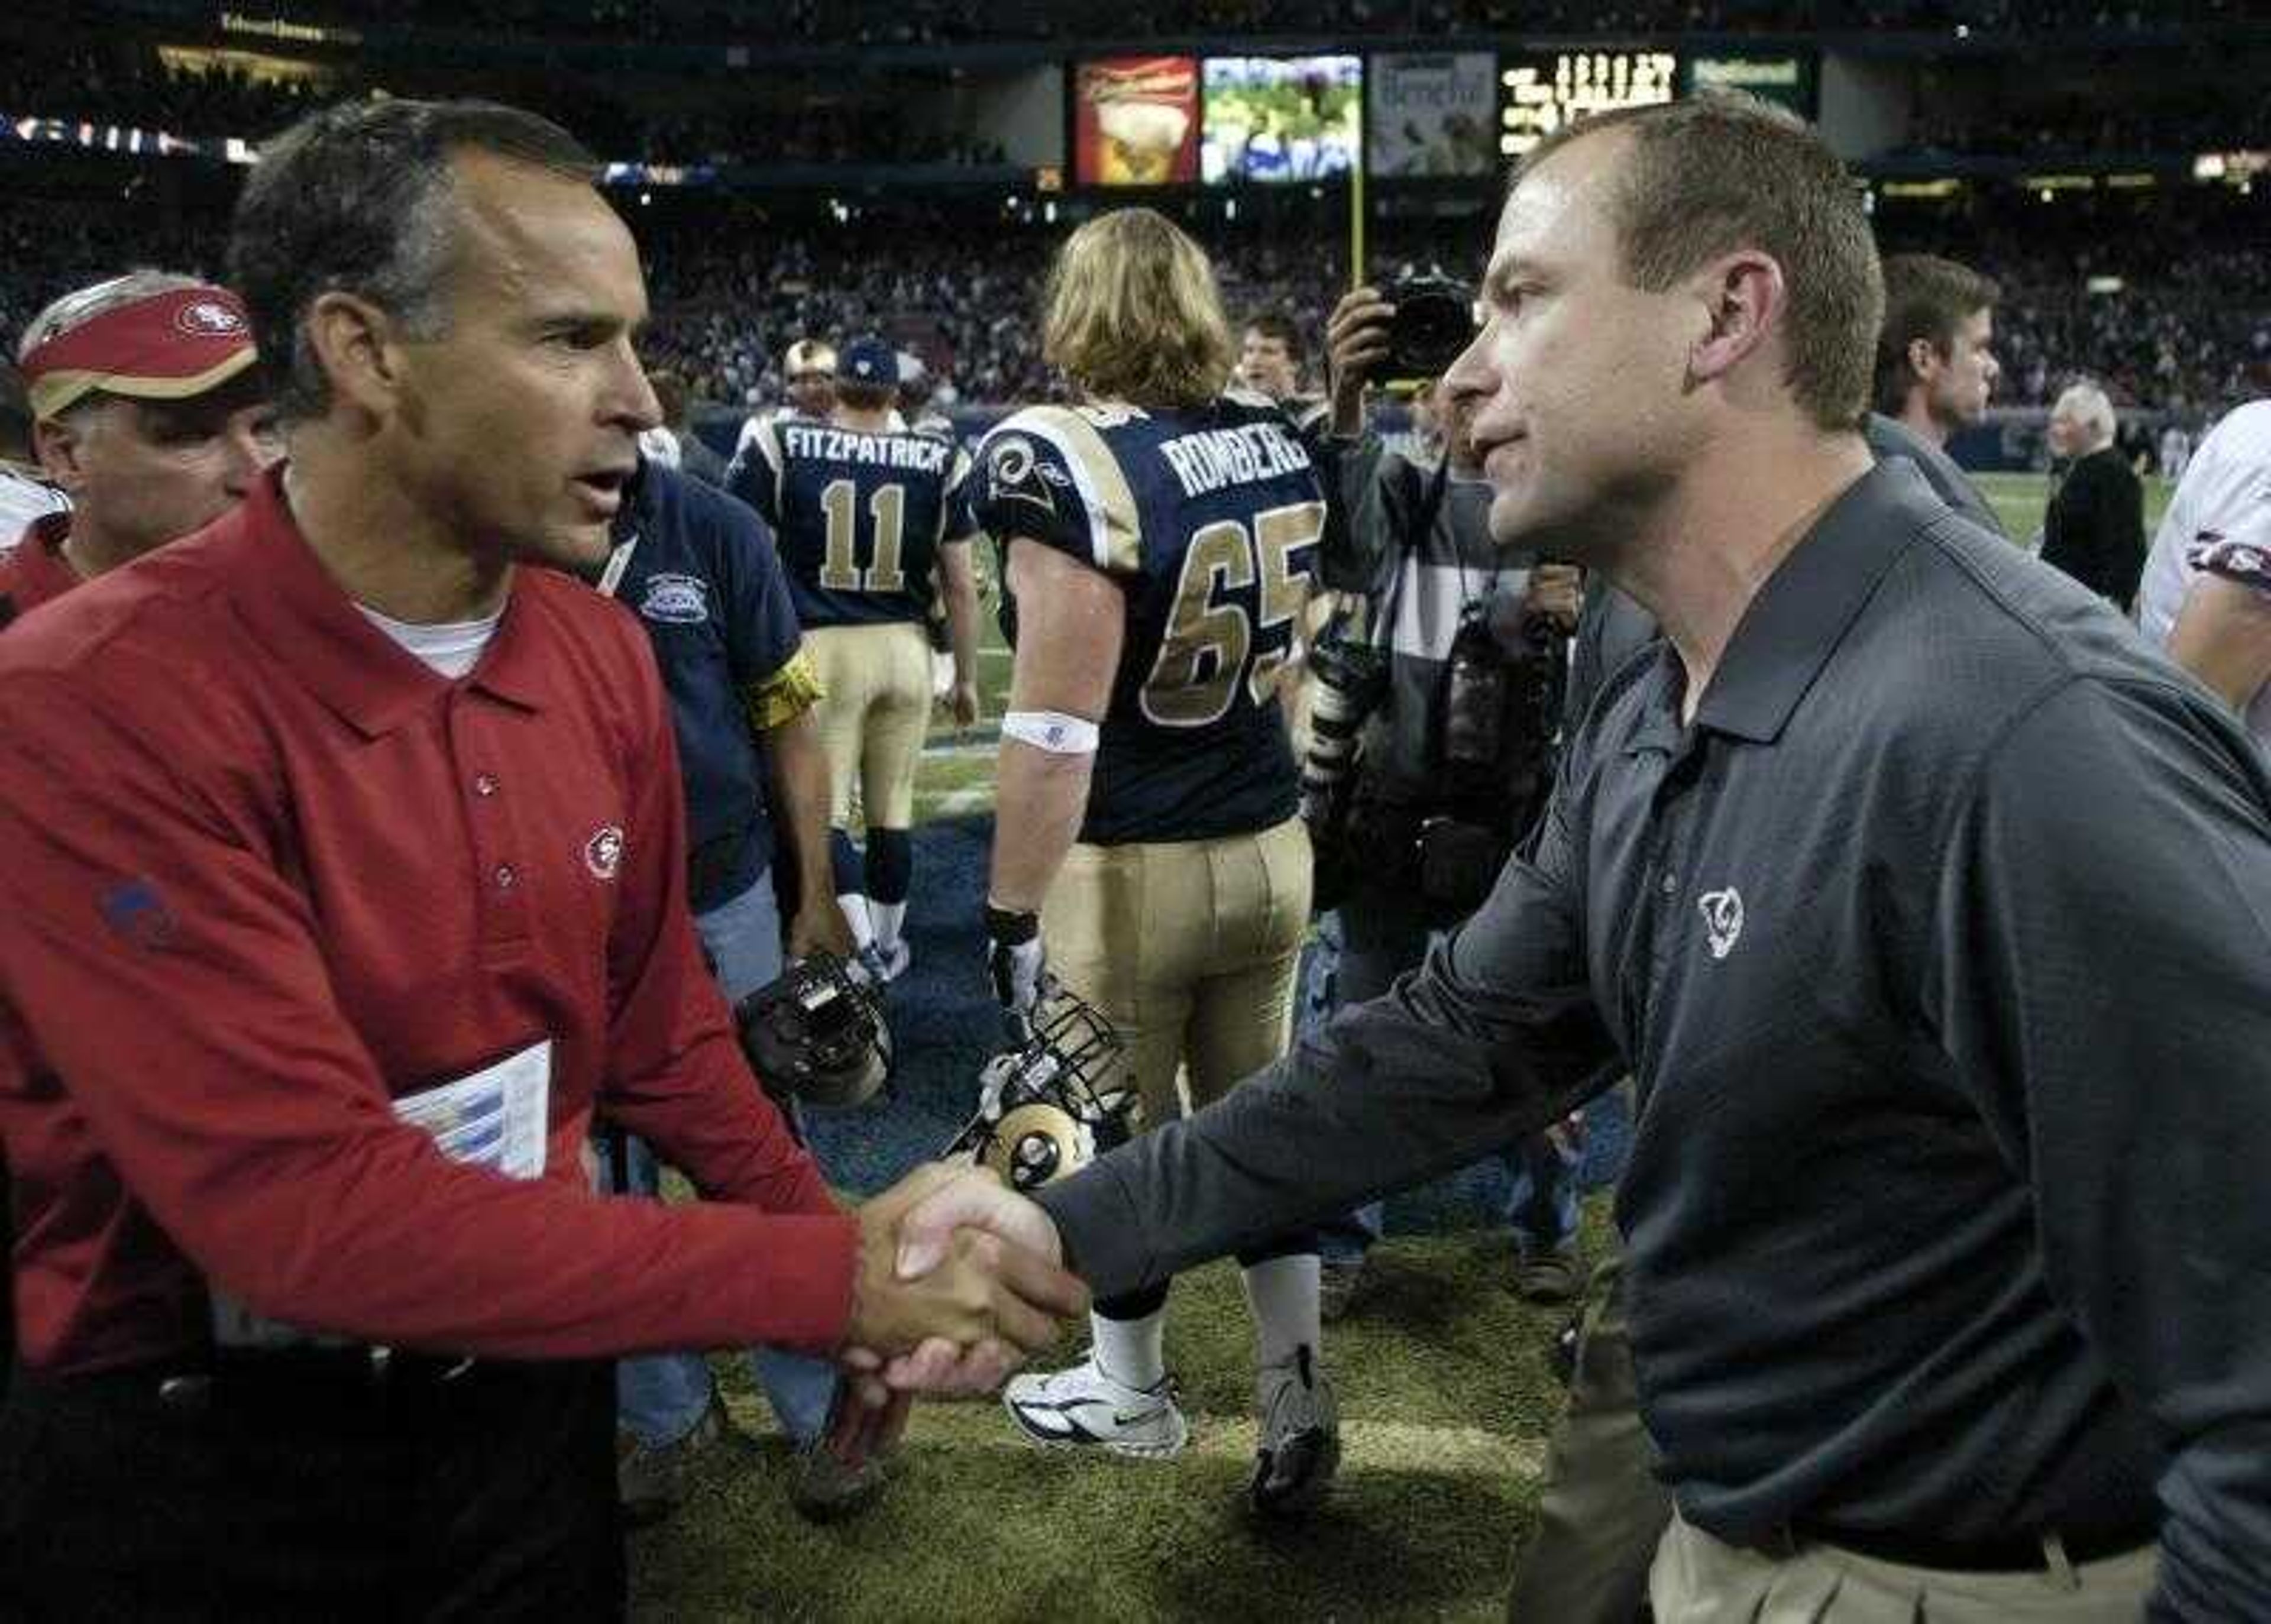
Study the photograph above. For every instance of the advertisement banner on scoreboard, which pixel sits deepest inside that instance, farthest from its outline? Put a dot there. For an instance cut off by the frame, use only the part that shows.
(1788, 78)
(1136, 122)
(1431, 115)
(1275, 119)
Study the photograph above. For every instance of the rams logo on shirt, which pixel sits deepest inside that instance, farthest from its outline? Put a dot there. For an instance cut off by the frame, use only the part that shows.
(603, 853)
(1010, 464)
(1016, 473)
(1723, 917)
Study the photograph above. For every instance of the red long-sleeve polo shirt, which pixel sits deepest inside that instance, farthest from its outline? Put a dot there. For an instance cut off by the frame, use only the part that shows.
(32, 572)
(264, 871)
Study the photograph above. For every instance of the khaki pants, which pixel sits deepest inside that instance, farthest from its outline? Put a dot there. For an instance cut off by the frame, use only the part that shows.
(874, 717)
(1700, 1580)
(1602, 1513)
(1188, 948)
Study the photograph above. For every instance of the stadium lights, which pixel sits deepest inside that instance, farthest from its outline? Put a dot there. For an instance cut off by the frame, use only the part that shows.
(284, 28)
(2235, 168)
(2102, 285)
(1945, 186)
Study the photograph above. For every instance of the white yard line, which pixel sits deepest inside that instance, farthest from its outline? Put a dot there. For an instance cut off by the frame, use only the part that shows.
(1385, 1446)
(961, 801)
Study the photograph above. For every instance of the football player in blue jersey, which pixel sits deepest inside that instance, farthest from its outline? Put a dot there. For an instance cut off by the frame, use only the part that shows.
(873, 522)
(1159, 541)
(808, 381)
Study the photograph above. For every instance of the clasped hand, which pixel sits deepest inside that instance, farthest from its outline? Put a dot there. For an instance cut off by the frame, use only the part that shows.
(960, 1279)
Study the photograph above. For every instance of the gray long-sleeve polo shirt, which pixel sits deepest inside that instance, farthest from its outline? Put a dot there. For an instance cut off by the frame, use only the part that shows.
(1940, 947)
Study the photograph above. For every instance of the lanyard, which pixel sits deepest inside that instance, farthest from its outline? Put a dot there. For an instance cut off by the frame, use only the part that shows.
(618, 562)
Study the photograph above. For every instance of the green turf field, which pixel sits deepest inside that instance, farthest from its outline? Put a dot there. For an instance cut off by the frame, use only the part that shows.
(2019, 499)
(1445, 1399)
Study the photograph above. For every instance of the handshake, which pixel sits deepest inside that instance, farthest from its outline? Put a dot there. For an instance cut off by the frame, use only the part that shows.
(960, 1280)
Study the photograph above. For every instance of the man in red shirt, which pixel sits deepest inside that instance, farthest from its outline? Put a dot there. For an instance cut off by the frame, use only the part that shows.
(148, 411)
(346, 875)
(145, 408)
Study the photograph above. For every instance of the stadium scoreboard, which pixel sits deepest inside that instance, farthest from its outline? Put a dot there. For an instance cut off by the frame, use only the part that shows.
(1544, 91)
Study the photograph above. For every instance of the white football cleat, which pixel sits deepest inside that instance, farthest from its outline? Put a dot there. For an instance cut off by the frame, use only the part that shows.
(1299, 1424)
(1083, 1408)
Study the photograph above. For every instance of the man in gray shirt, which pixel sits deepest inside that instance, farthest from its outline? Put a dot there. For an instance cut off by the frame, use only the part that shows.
(1930, 910)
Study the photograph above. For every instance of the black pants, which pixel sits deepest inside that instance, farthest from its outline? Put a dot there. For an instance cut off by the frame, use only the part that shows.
(298, 1488)
(7, 1284)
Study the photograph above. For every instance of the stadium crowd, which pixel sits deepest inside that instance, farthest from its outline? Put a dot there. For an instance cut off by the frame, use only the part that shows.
(2082, 124)
(2189, 329)
(133, 87)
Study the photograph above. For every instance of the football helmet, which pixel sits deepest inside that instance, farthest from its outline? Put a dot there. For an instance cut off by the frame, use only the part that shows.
(815, 1034)
(809, 355)
(1046, 1108)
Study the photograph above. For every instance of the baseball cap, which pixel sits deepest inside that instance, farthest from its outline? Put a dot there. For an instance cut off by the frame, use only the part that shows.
(871, 361)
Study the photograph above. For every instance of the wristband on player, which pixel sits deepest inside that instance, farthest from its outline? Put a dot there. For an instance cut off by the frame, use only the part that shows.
(1052, 731)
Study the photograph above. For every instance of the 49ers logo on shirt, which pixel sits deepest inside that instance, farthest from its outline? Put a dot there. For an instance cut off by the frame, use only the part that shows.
(603, 853)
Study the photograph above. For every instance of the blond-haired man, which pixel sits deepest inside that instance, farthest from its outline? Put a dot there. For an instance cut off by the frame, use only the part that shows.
(1160, 539)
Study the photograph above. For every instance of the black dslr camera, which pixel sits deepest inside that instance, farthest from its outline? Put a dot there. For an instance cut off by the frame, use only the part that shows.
(1435, 320)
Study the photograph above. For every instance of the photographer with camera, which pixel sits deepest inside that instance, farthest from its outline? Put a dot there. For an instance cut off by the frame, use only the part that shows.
(1437, 706)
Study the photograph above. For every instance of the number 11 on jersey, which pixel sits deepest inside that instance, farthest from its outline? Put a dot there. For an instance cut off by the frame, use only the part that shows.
(839, 565)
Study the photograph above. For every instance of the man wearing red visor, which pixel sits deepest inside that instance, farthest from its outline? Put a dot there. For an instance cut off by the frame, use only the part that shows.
(148, 411)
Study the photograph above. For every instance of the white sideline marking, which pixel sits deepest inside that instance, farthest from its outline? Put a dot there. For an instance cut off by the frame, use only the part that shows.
(962, 800)
(1384, 1446)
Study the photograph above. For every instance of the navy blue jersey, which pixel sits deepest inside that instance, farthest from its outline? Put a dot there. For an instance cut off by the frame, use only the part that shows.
(703, 578)
(1209, 518)
(859, 517)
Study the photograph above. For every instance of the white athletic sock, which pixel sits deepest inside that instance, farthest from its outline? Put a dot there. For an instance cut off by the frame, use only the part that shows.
(887, 917)
(1283, 1293)
(855, 914)
(1134, 1352)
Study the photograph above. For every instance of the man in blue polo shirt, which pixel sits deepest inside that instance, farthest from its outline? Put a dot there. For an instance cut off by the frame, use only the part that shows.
(699, 570)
